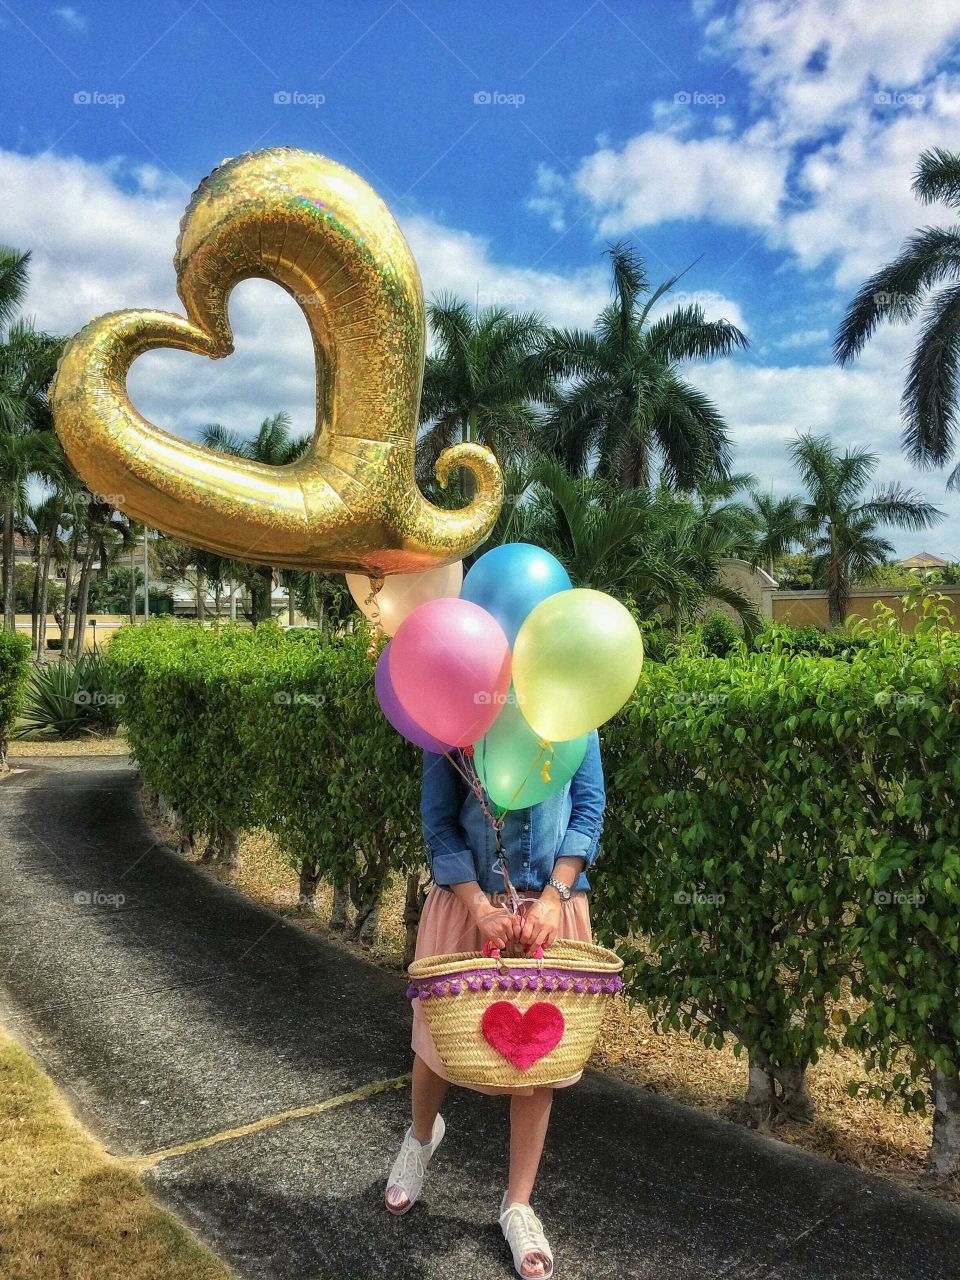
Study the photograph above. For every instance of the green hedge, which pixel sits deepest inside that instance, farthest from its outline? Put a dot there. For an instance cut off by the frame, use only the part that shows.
(14, 670)
(782, 825)
(237, 728)
(779, 823)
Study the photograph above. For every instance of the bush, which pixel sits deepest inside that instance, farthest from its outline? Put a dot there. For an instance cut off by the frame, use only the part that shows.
(237, 728)
(840, 643)
(67, 699)
(14, 670)
(772, 797)
(719, 636)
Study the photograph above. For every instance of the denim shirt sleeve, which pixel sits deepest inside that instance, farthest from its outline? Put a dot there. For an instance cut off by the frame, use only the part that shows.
(588, 799)
(441, 798)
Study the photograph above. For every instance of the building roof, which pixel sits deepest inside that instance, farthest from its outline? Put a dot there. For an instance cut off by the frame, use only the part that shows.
(923, 560)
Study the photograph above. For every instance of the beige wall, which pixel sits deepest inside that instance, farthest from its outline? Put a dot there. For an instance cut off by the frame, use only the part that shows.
(809, 608)
(107, 624)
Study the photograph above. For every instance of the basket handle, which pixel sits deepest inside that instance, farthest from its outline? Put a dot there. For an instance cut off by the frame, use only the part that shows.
(493, 952)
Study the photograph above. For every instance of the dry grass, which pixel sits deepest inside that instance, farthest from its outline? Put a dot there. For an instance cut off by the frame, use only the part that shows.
(115, 745)
(857, 1131)
(67, 1208)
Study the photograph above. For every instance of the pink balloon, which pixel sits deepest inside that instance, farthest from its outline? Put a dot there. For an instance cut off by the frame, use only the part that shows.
(396, 713)
(450, 669)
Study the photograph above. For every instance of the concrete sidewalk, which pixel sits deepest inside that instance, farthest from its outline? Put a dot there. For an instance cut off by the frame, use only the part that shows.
(170, 1010)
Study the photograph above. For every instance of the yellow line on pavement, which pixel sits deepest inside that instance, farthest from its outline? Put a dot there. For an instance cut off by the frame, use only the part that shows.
(270, 1122)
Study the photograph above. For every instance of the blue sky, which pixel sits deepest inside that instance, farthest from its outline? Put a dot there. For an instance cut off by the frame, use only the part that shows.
(769, 142)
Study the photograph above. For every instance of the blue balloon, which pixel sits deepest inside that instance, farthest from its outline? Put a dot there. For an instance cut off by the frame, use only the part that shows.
(511, 580)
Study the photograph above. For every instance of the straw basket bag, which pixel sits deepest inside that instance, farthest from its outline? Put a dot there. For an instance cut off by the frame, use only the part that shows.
(513, 1022)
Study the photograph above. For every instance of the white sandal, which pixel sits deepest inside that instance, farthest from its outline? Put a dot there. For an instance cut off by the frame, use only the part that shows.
(410, 1167)
(523, 1232)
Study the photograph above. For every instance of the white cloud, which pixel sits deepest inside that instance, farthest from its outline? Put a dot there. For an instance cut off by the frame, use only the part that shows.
(71, 17)
(103, 237)
(803, 338)
(656, 177)
(858, 205)
(812, 61)
(767, 406)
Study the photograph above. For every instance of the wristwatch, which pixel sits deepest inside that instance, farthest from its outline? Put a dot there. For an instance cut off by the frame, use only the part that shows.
(561, 888)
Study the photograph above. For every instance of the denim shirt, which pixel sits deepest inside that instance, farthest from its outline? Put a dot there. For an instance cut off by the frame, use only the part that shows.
(461, 845)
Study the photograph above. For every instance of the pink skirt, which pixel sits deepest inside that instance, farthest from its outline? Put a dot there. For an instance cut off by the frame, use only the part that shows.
(445, 926)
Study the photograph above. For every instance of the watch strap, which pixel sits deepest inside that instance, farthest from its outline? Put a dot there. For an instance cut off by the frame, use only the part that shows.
(561, 888)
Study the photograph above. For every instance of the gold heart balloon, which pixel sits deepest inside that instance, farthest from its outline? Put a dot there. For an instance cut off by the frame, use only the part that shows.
(351, 502)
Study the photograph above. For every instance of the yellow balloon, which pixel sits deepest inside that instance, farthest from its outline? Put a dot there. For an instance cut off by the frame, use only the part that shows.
(404, 592)
(576, 661)
(351, 503)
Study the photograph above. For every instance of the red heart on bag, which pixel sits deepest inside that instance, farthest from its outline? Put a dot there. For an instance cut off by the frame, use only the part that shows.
(522, 1038)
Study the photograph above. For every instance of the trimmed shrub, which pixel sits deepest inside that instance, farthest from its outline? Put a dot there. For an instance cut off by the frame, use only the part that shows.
(758, 805)
(14, 670)
(237, 728)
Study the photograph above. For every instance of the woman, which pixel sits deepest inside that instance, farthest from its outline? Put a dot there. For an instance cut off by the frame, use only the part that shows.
(548, 849)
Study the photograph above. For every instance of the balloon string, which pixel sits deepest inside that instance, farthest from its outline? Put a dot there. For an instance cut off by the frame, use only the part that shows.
(376, 586)
(469, 774)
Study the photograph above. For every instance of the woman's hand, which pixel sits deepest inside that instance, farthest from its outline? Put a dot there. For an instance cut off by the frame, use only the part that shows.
(497, 925)
(541, 921)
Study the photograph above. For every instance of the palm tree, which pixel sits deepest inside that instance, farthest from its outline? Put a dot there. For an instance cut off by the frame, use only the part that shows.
(481, 382)
(661, 550)
(273, 445)
(628, 408)
(102, 538)
(778, 524)
(909, 288)
(843, 526)
(27, 446)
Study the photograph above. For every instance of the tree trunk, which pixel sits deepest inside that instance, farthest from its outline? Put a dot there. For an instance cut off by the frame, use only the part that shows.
(132, 593)
(412, 908)
(291, 606)
(201, 597)
(261, 593)
(45, 583)
(4, 747)
(367, 923)
(9, 613)
(793, 1101)
(943, 1160)
(83, 595)
(35, 601)
(340, 910)
(67, 592)
(760, 1098)
(223, 847)
(309, 880)
(776, 1092)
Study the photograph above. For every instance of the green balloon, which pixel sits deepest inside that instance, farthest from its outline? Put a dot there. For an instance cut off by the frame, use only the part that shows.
(511, 760)
(576, 661)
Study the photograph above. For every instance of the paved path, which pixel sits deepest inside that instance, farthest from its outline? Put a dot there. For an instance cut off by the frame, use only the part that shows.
(184, 1011)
